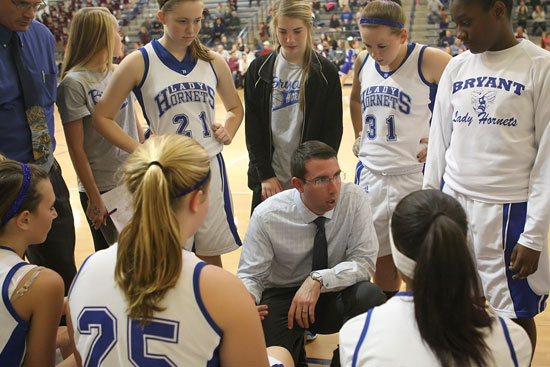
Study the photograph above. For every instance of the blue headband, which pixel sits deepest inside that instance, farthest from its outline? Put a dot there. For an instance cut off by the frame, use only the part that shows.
(23, 191)
(195, 186)
(389, 23)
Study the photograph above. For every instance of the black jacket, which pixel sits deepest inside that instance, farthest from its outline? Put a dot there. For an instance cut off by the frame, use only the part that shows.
(323, 111)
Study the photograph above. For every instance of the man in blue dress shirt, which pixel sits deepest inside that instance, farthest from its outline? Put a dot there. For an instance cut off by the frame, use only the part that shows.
(30, 70)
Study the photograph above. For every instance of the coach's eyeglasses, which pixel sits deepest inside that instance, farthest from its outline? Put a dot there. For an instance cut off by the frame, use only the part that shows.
(324, 181)
(26, 6)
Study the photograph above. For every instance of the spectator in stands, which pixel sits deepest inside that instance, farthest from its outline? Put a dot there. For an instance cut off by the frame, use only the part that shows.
(263, 32)
(539, 20)
(232, 4)
(267, 48)
(218, 13)
(226, 43)
(144, 36)
(157, 28)
(234, 24)
(233, 63)
(269, 16)
(243, 67)
(218, 30)
(316, 6)
(457, 47)
(330, 6)
(347, 18)
(222, 51)
(545, 41)
(447, 40)
(434, 11)
(227, 15)
(240, 44)
(147, 24)
(521, 33)
(205, 34)
(522, 14)
(444, 22)
(334, 22)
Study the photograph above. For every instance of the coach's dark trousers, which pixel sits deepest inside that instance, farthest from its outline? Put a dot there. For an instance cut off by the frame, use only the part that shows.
(57, 252)
(331, 312)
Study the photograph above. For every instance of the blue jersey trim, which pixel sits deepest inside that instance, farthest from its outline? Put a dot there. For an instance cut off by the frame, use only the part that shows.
(214, 71)
(227, 200)
(15, 347)
(183, 67)
(387, 74)
(361, 339)
(526, 302)
(8, 248)
(198, 298)
(509, 342)
(76, 276)
(433, 86)
(404, 294)
(363, 64)
(358, 170)
(146, 69)
(215, 361)
(6, 298)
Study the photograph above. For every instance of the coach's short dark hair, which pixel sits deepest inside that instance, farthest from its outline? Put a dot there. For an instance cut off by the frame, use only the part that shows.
(307, 150)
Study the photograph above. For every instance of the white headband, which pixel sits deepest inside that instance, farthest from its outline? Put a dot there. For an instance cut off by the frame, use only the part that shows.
(403, 263)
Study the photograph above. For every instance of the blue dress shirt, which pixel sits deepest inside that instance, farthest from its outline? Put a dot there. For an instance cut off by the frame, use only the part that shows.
(38, 54)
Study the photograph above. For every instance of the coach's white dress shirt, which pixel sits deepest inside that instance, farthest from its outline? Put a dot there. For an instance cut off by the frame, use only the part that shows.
(277, 250)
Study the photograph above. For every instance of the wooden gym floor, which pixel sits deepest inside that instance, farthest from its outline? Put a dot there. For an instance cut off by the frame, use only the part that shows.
(320, 350)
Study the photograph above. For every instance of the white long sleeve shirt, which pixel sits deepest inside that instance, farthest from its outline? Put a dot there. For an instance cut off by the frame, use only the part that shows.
(490, 134)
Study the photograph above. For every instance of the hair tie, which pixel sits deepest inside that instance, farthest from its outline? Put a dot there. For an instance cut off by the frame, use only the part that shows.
(405, 264)
(21, 195)
(195, 186)
(438, 214)
(155, 163)
(389, 23)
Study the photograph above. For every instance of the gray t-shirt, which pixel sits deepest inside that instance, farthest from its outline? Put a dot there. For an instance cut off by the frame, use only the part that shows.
(77, 97)
(287, 118)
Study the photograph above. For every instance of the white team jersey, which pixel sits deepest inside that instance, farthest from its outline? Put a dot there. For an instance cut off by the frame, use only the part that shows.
(179, 97)
(388, 336)
(490, 138)
(13, 333)
(396, 109)
(183, 334)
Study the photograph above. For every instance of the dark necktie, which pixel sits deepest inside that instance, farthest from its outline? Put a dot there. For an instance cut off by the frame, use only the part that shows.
(41, 139)
(320, 252)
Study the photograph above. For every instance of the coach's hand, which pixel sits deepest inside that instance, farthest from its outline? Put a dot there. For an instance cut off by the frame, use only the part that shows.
(221, 134)
(262, 309)
(270, 187)
(524, 261)
(303, 304)
(424, 152)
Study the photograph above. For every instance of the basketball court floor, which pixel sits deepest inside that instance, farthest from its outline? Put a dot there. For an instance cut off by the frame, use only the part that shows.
(236, 158)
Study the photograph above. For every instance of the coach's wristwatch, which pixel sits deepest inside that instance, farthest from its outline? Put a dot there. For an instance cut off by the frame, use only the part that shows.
(315, 275)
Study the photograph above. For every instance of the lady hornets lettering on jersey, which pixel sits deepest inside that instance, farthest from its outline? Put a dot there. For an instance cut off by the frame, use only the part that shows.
(396, 108)
(179, 97)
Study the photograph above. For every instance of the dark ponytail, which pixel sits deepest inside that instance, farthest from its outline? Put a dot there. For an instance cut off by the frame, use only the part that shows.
(431, 228)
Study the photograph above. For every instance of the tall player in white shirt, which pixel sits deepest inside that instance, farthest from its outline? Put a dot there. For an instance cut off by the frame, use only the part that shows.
(490, 149)
(441, 319)
(392, 96)
(176, 79)
(146, 301)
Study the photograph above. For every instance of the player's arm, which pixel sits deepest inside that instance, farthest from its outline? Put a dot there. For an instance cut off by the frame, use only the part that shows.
(525, 257)
(70, 329)
(127, 76)
(141, 133)
(231, 101)
(434, 62)
(441, 130)
(355, 102)
(43, 303)
(74, 135)
(231, 308)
